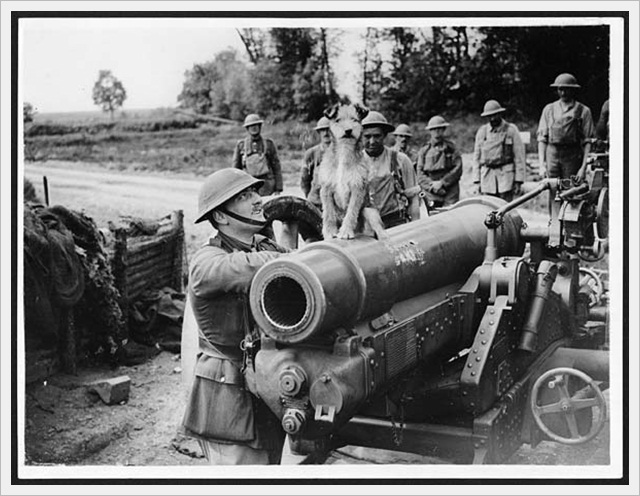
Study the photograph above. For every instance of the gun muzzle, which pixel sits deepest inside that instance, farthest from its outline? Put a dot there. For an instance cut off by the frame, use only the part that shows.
(333, 284)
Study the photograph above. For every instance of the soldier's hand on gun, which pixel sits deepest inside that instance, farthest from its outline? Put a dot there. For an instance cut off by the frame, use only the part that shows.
(438, 188)
(542, 170)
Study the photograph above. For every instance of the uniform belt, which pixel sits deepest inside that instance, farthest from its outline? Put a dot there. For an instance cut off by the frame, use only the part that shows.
(496, 166)
(565, 145)
(219, 351)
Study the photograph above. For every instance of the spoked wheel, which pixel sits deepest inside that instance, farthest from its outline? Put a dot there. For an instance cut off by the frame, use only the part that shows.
(564, 411)
(590, 278)
(594, 252)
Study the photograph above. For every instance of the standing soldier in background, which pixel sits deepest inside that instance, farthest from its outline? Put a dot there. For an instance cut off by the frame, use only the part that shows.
(403, 137)
(499, 161)
(565, 128)
(393, 185)
(312, 159)
(259, 157)
(439, 166)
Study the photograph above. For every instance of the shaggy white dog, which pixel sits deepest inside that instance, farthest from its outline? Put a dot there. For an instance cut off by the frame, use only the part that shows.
(343, 178)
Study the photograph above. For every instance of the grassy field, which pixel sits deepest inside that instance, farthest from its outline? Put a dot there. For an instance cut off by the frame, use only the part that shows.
(132, 143)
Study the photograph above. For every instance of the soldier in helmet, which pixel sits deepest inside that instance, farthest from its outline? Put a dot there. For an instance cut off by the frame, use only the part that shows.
(499, 161)
(403, 136)
(439, 166)
(259, 157)
(565, 128)
(393, 185)
(231, 424)
(312, 158)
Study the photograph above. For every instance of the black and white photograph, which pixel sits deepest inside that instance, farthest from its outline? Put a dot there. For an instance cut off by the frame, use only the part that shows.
(380, 251)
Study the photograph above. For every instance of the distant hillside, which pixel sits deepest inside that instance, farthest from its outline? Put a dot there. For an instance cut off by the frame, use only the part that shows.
(99, 116)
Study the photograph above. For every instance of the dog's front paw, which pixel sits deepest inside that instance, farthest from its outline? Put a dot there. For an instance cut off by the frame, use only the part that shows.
(329, 233)
(345, 233)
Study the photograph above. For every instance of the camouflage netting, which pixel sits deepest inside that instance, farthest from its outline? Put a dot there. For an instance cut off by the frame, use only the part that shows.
(66, 266)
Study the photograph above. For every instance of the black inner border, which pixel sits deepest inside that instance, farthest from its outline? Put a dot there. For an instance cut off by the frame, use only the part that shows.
(15, 18)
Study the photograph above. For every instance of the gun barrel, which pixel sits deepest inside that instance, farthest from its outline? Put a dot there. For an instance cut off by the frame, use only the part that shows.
(332, 284)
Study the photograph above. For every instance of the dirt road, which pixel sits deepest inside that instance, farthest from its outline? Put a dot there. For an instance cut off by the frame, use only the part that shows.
(66, 425)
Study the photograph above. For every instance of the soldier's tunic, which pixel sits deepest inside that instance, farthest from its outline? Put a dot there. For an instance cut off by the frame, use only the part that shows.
(309, 177)
(409, 152)
(220, 409)
(565, 129)
(259, 157)
(392, 186)
(499, 159)
(440, 161)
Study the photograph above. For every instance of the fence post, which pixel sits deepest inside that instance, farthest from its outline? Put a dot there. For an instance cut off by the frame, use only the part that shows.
(178, 256)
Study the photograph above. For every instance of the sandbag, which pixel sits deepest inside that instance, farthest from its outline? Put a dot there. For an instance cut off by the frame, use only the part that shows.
(156, 319)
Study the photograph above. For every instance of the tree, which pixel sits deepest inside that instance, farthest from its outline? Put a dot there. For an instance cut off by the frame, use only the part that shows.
(108, 92)
(291, 75)
(220, 87)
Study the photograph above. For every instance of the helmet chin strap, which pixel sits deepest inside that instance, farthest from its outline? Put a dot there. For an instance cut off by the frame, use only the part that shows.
(246, 220)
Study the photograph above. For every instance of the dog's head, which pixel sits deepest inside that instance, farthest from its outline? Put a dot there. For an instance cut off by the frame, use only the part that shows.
(346, 121)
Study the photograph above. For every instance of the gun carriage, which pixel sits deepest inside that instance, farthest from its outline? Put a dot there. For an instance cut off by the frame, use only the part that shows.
(463, 336)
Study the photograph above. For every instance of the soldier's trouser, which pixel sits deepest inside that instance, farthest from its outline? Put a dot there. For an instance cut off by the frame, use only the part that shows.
(564, 161)
(507, 195)
(232, 454)
(269, 185)
(431, 200)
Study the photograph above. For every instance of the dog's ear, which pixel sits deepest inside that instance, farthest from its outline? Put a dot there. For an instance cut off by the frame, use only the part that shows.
(361, 110)
(331, 112)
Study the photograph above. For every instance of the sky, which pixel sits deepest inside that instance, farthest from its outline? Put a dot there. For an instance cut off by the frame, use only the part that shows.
(61, 59)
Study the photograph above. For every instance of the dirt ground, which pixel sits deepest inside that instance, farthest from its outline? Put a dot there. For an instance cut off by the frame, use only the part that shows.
(65, 424)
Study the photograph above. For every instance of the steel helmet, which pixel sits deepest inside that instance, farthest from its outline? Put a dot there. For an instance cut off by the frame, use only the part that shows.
(377, 119)
(492, 107)
(323, 123)
(252, 119)
(436, 121)
(220, 187)
(565, 80)
(403, 130)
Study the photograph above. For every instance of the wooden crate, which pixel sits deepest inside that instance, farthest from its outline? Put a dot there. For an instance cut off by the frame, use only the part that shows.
(147, 262)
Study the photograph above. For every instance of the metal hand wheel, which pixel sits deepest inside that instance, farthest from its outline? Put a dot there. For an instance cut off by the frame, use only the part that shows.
(596, 251)
(588, 277)
(567, 410)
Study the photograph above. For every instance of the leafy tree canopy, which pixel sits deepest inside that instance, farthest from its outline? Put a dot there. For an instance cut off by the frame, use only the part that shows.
(108, 92)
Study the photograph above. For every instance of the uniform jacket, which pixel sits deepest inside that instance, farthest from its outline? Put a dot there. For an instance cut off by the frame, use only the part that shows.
(389, 193)
(259, 158)
(219, 407)
(499, 158)
(409, 152)
(440, 162)
(308, 177)
(569, 127)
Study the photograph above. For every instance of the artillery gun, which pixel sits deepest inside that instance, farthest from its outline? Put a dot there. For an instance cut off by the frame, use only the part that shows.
(462, 336)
